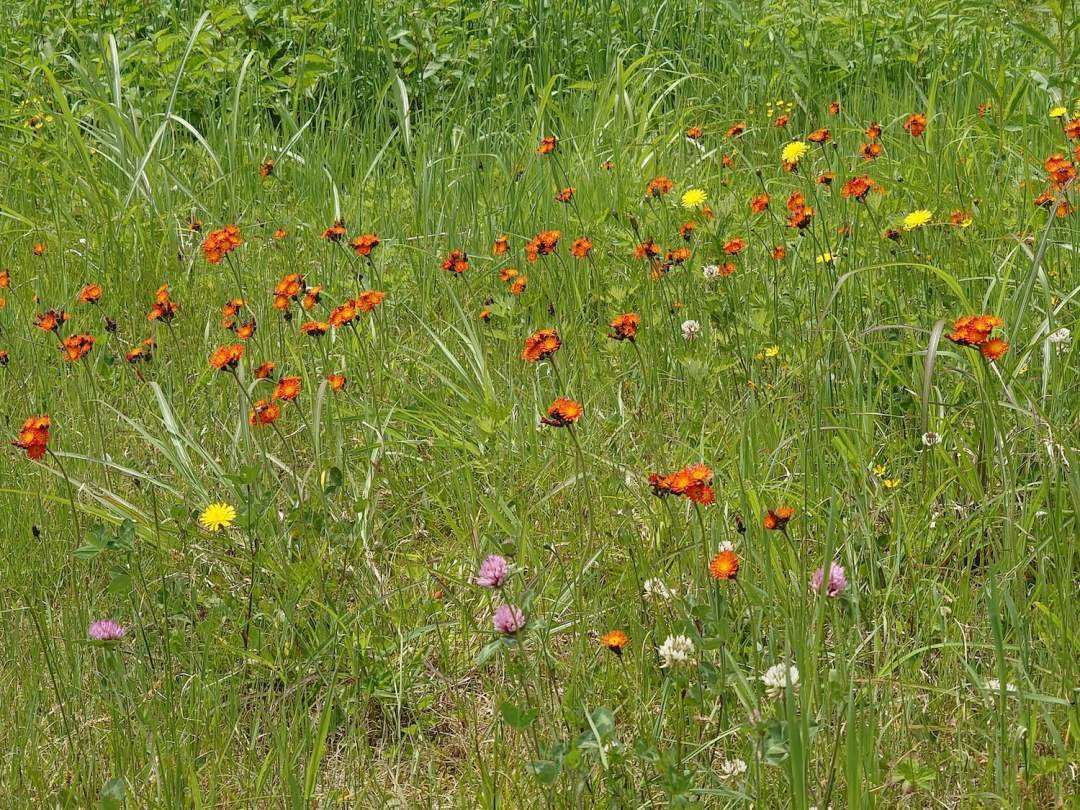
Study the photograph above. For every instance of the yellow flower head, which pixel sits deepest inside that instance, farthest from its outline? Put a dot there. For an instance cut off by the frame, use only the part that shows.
(917, 219)
(217, 516)
(794, 152)
(825, 258)
(772, 351)
(1058, 112)
(693, 198)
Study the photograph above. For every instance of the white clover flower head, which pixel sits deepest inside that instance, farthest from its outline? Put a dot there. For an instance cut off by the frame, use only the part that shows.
(778, 677)
(731, 768)
(1060, 338)
(691, 329)
(676, 651)
(711, 272)
(994, 685)
(656, 591)
(930, 438)
(726, 545)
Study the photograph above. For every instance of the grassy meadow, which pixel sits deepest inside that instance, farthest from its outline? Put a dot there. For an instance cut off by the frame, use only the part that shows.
(567, 405)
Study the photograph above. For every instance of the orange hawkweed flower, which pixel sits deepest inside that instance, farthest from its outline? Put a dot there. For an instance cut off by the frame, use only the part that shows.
(1060, 170)
(734, 246)
(365, 243)
(870, 151)
(625, 326)
(776, 520)
(456, 262)
(547, 145)
(336, 232)
(501, 245)
(915, 125)
(736, 130)
(959, 217)
(519, 284)
(3, 358)
(800, 218)
(724, 565)
(678, 255)
(508, 274)
(485, 315)
(232, 307)
(39, 248)
(834, 108)
(819, 136)
(195, 224)
(543, 244)
(220, 243)
(51, 320)
(290, 286)
(780, 121)
(369, 299)
(280, 234)
(973, 330)
(541, 345)
(826, 179)
(264, 413)
(226, 358)
(563, 412)
(686, 231)
(264, 371)
(658, 186)
(615, 640)
(994, 349)
(312, 297)
(691, 482)
(247, 331)
(5, 279)
(287, 389)
(336, 381)
(647, 250)
(565, 195)
(344, 314)
(694, 133)
(138, 354)
(34, 436)
(727, 161)
(266, 168)
(857, 187)
(1072, 129)
(90, 294)
(795, 201)
(76, 347)
(892, 234)
(759, 203)
(873, 131)
(581, 247)
(315, 328)
(607, 165)
(163, 309)
(778, 253)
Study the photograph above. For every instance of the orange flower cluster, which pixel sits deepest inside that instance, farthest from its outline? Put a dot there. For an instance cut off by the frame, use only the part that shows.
(365, 243)
(724, 565)
(290, 288)
(541, 345)
(90, 294)
(142, 353)
(563, 412)
(34, 436)
(565, 195)
(616, 641)
(264, 413)
(218, 244)
(625, 326)
(693, 482)
(76, 347)
(456, 262)
(915, 125)
(164, 309)
(647, 250)
(314, 328)
(776, 520)
(819, 136)
(548, 144)
(226, 358)
(51, 320)
(870, 151)
(759, 203)
(266, 168)
(336, 232)
(974, 331)
(500, 246)
(800, 213)
(1059, 170)
(336, 381)
(857, 187)
(543, 244)
(734, 246)
(658, 187)
(287, 389)
(694, 133)
(581, 247)
(737, 129)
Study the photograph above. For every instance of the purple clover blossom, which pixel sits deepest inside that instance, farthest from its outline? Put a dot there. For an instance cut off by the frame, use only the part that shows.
(106, 630)
(493, 572)
(836, 585)
(508, 619)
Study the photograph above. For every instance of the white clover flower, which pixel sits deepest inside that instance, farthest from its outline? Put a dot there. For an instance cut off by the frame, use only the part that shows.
(691, 329)
(676, 651)
(930, 438)
(726, 545)
(778, 677)
(994, 685)
(1060, 338)
(711, 272)
(731, 768)
(657, 591)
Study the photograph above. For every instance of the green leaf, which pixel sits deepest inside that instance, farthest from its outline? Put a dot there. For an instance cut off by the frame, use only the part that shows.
(516, 717)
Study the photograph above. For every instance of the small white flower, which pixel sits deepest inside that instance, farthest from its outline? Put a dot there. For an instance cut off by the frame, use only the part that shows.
(930, 438)
(711, 272)
(730, 768)
(691, 329)
(726, 545)
(1060, 338)
(657, 591)
(778, 677)
(675, 651)
(994, 685)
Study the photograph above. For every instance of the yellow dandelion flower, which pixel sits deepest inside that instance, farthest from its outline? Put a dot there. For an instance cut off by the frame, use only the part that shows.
(794, 152)
(916, 219)
(879, 470)
(1058, 112)
(824, 258)
(772, 351)
(217, 516)
(693, 198)
(891, 483)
